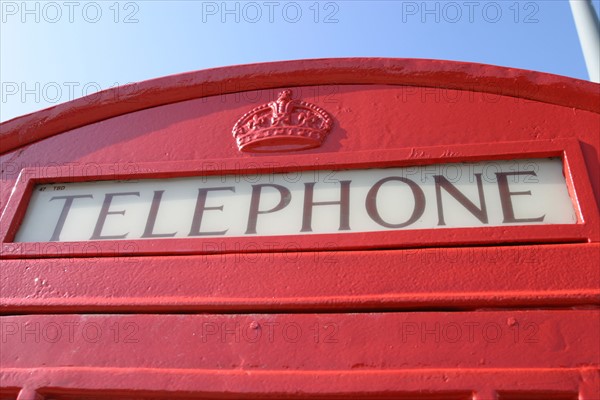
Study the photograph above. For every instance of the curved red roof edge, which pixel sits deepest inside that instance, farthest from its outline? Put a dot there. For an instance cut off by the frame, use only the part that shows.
(531, 85)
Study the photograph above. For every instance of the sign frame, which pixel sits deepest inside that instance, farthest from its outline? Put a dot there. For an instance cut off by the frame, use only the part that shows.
(578, 184)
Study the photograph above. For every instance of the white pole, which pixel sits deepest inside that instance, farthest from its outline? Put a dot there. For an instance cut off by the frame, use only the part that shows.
(588, 30)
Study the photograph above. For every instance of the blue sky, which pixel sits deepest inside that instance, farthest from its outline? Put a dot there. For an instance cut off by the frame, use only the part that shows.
(54, 51)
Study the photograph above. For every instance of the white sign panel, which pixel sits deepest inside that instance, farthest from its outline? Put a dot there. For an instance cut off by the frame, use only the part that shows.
(494, 193)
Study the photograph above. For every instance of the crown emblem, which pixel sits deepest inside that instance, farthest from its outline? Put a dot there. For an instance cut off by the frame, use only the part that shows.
(282, 125)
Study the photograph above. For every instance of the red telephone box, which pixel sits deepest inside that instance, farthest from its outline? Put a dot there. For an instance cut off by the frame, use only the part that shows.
(331, 229)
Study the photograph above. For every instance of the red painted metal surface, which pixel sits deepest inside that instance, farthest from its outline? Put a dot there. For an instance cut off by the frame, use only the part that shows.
(440, 278)
(392, 301)
(295, 356)
(527, 85)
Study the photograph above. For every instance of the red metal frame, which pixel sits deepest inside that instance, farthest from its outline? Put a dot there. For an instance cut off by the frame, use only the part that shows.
(367, 283)
(586, 230)
(77, 383)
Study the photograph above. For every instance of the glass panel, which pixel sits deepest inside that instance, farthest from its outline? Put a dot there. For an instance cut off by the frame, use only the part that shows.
(492, 193)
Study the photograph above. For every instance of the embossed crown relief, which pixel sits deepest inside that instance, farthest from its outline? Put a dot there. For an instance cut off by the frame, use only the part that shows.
(285, 124)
